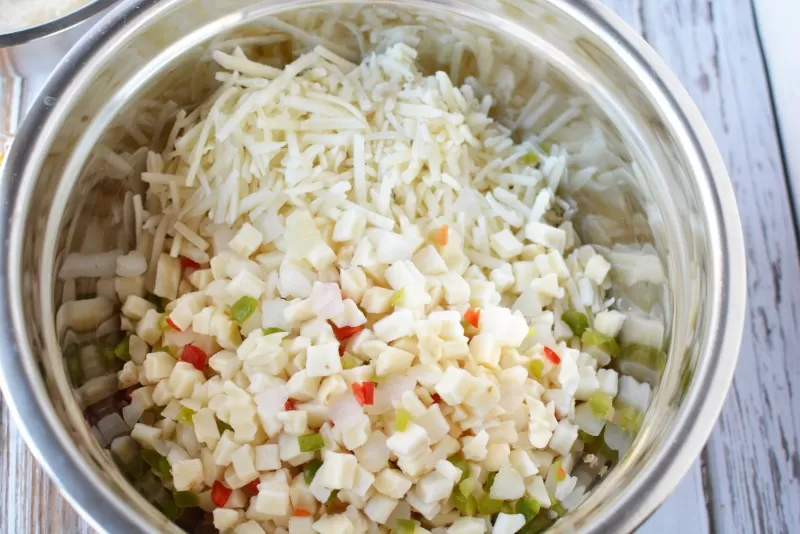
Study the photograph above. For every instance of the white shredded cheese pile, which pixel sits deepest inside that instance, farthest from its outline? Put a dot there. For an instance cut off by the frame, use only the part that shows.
(20, 14)
(363, 274)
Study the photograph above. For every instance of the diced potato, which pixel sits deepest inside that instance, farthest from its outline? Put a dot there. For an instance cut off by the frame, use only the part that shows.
(148, 328)
(508, 485)
(168, 277)
(340, 470)
(394, 326)
(205, 426)
(187, 474)
(434, 487)
(145, 435)
(131, 264)
(243, 461)
(129, 285)
(158, 365)
(505, 244)
(379, 508)
(376, 300)
(226, 519)
(267, 457)
(246, 241)
(323, 360)
(410, 442)
(272, 501)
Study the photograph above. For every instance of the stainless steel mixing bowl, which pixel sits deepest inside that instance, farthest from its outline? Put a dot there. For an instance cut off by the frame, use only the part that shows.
(677, 196)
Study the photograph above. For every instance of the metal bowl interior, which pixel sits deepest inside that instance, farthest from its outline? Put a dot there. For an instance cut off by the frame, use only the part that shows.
(675, 196)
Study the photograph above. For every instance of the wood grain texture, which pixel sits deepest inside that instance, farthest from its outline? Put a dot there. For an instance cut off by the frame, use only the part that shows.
(29, 501)
(684, 512)
(777, 25)
(753, 463)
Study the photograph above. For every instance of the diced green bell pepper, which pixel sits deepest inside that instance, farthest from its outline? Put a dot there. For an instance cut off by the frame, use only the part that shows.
(310, 442)
(310, 470)
(74, 367)
(272, 330)
(649, 357)
(462, 464)
(577, 321)
(185, 499)
(602, 405)
(527, 506)
(243, 308)
(605, 343)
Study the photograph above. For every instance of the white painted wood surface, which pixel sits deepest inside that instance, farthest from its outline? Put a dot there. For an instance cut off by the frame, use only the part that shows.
(752, 465)
(777, 24)
(748, 479)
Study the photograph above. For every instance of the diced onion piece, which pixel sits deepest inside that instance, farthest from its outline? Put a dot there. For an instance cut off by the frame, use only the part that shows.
(346, 412)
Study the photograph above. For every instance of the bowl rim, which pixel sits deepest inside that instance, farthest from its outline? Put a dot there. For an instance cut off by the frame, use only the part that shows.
(57, 25)
(45, 434)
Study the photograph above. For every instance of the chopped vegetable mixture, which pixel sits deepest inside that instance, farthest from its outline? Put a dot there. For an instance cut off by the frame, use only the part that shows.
(357, 305)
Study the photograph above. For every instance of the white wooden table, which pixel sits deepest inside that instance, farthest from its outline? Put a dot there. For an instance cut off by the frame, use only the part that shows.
(740, 61)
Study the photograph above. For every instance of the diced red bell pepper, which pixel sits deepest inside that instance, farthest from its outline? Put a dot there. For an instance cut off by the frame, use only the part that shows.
(172, 324)
(252, 487)
(551, 355)
(364, 393)
(187, 263)
(342, 349)
(369, 393)
(472, 316)
(299, 512)
(358, 392)
(436, 398)
(289, 405)
(346, 332)
(126, 393)
(220, 493)
(196, 356)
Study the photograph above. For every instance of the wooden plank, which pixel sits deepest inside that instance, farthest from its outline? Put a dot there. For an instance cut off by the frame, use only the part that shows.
(684, 512)
(753, 462)
(31, 504)
(777, 28)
